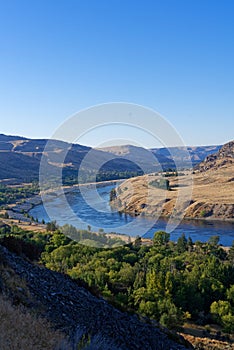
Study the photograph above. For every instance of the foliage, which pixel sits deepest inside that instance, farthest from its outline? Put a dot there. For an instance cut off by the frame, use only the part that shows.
(161, 238)
(167, 281)
(20, 329)
(51, 226)
(112, 194)
(223, 313)
(161, 183)
(10, 194)
(21, 247)
(103, 175)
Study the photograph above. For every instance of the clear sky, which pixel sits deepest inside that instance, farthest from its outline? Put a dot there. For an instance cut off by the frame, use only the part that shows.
(175, 56)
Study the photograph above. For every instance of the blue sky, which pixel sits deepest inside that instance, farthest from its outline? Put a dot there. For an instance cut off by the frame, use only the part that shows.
(175, 56)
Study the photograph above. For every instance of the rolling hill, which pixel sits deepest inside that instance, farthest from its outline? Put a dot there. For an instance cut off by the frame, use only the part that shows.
(182, 157)
(20, 159)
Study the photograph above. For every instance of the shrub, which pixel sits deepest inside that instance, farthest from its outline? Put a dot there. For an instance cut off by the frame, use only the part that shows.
(162, 183)
(21, 247)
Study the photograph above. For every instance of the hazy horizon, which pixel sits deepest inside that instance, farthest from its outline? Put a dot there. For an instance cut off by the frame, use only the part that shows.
(115, 145)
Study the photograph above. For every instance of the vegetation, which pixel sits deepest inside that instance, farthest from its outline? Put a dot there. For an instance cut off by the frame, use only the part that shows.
(12, 194)
(19, 329)
(168, 282)
(89, 176)
(113, 194)
(161, 183)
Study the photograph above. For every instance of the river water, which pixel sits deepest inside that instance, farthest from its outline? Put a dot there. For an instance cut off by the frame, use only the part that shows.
(99, 215)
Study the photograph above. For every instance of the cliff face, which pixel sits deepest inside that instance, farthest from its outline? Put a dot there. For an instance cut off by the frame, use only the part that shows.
(75, 311)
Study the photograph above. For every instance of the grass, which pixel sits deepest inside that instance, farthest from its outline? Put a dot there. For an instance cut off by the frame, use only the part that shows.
(21, 330)
(195, 198)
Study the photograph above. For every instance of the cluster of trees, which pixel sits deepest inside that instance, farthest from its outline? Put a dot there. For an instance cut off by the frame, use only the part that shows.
(12, 194)
(85, 177)
(89, 238)
(115, 175)
(167, 281)
(161, 183)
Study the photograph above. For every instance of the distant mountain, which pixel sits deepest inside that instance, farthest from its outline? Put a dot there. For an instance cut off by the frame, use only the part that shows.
(167, 157)
(6, 138)
(146, 158)
(20, 158)
(18, 167)
(180, 154)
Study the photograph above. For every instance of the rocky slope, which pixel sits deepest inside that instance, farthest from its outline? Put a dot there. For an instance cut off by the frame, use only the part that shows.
(223, 158)
(206, 194)
(76, 312)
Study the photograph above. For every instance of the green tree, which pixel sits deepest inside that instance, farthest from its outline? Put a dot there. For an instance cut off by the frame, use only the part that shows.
(161, 238)
(51, 226)
(181, 244)
(213, 240)
(171, 316)
(138, 242)
(190, 244)
(231, 254)
(219, 309)
(230, 295)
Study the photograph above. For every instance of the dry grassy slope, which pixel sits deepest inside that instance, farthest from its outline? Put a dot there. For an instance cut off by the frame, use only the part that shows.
(209, 193)
(29, 332)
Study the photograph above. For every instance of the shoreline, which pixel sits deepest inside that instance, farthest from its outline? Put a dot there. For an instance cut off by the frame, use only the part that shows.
(39, 227)
(19, 213)
(18, 209)
(31, 202)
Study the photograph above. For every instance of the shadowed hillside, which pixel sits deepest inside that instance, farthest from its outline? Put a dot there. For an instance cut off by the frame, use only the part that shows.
(20, 159)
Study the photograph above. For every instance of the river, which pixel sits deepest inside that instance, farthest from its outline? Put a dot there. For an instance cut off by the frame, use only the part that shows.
(121, 223)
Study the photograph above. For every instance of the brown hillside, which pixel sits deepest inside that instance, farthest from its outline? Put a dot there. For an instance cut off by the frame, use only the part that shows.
(207, 194)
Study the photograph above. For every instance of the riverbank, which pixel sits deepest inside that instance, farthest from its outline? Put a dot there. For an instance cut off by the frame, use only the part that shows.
(18, 213)
(208, 196)
(20, 209)
(114, 222)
